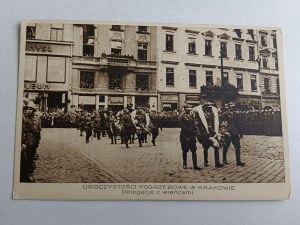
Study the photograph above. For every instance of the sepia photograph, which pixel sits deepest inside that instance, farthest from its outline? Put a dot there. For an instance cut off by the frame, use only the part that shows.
(143, 108)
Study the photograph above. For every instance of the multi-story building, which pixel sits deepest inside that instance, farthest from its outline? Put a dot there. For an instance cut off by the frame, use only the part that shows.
(189, 58)
(269, 71)
(48, 64)
(114, 65)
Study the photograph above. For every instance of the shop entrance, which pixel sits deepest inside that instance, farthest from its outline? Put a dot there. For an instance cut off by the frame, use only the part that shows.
(141, 101)
(55, 101)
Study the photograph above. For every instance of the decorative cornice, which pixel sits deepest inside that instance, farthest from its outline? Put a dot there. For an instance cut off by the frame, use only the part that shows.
(169, 28)
(224, 36)
(209, 66)
(208, 34)
(238, 39)
(192, 64)
(192, 31)
(170, 62)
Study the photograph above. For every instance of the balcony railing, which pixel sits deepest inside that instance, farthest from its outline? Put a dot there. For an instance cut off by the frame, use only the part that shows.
(228, 91)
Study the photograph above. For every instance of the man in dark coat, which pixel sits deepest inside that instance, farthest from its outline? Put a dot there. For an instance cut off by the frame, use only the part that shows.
(188, 137)
(235, 133)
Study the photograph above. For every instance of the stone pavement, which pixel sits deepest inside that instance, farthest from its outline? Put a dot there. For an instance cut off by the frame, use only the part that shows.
(65, 157)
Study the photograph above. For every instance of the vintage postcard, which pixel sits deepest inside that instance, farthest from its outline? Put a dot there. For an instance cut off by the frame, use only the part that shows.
(137, 111)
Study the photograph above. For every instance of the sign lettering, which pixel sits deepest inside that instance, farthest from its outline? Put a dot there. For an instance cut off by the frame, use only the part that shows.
(38, 48)
(37, 86)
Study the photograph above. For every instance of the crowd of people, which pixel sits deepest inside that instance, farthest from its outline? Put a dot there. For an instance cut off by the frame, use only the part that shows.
(212, 127)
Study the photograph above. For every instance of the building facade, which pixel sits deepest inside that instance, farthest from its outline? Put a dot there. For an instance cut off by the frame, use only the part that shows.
(269, 71)
(189, 58)
(48, 64)
(114, 65)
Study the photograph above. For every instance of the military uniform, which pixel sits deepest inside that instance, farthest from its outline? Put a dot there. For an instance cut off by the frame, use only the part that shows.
(188, 139)
(155, 124)
(97, 127)
(207, 124)
(235, 133)
(88, 128)
(30, 142)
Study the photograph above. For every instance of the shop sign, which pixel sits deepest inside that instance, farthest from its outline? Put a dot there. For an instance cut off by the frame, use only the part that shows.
(38, 48)
(36, 86)
(115, 100)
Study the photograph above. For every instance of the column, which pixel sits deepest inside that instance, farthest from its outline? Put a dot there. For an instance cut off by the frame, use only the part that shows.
(125, 101)
(97, 103)
(133, 101)
(106, 101)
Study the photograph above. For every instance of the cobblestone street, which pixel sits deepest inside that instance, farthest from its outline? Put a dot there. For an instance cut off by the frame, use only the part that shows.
(65, 157)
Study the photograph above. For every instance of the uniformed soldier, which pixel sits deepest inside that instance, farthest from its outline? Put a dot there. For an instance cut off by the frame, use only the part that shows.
(235, 133)
(88, 128)
(188, 137)
(97, 127)
(29, 143)
(155, 124)
(207, 124)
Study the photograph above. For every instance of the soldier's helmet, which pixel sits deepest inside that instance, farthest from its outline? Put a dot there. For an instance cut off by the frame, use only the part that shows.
(25, 102)
(126, 110)
(31, 105)
(129, 106)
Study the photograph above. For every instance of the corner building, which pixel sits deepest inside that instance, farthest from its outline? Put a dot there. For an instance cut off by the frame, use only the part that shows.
(48, 65)
(189, 58)
(113, 65)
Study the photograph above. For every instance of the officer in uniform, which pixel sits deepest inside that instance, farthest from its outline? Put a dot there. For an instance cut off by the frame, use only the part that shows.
(235, 133)
(97, 127)
(30, 143)
(155, 124)
(188, 137)
(206, 120)
(88, 128)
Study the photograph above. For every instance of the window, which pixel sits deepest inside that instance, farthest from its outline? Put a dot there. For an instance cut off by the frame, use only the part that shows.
(192, 78)
(142, 82)
(238, 51)
(101, 98)
(116, 48)
(88, 40)
(223, 49)
(253, 83)
(30, 32)
(169, 43)
(275, 42)
(238, 33)
(192, 45)
(225, 78)
(276, 63)
(142, 51)
(209, 78)
(208, 47)
(56, 34)
(265, 62)
(251, 33)
(170, 76)
(115, 81)
(239, 81)
(142, 29)
(267, 85)
(251, 53)
(263, 40)
(277, 85)
(116, 27)
(87, 79)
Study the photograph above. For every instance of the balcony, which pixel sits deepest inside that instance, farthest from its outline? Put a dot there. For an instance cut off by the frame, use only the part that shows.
(228, 91)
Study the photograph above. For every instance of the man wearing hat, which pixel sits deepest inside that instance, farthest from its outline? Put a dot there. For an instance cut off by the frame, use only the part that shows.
(235, 133)
(206, 121)
(30, 143)
(188, 137)
(88, 128)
